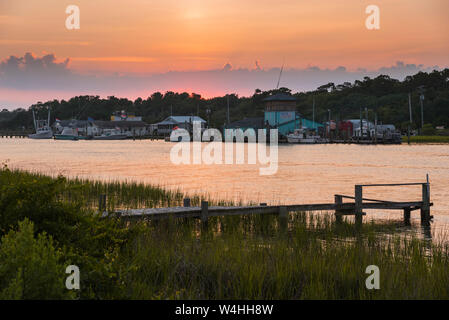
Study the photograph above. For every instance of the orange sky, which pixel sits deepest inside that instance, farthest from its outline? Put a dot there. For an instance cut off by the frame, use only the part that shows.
(151, 36)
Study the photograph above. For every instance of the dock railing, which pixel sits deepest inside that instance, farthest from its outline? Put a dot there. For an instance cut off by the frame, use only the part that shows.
(359, 204)
(340, 208)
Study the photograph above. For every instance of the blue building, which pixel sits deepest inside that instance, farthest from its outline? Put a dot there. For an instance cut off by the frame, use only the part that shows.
(280, 113)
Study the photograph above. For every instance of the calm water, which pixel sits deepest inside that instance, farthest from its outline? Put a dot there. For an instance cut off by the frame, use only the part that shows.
(306, 174)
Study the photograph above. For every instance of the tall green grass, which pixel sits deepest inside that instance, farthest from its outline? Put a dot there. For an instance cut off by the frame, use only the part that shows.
(235, 257)
(120, 194)
(427, 139)
(252, 257)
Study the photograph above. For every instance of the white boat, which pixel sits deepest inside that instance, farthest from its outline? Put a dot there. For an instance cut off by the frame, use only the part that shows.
(111, 135)
(42, 134)
(42, 127)
(303, 136)
(67, 134)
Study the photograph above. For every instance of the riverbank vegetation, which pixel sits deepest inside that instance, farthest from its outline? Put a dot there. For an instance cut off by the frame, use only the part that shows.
(49, 223)
(426, 139)
(383, 95)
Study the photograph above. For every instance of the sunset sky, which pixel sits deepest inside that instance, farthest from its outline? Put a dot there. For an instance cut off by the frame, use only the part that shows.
(132, 45)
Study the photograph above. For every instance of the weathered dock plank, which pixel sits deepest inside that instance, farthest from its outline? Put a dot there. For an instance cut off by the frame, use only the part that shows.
(339, 207)
(195, 212)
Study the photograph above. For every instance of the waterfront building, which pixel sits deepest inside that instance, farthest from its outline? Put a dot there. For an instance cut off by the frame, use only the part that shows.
(166, 126)
(280, 112)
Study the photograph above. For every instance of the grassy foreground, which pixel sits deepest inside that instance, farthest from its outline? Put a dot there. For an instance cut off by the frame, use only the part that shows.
(48, 223)
(426, 139)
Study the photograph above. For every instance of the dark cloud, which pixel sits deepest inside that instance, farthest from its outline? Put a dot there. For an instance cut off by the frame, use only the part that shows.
(45, 73)
(227, 67)
(30, 71)
(30, 65)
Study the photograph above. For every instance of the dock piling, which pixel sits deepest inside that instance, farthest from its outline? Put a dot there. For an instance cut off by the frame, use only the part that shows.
(425, 209)
(338, 213)
(407, 212)
(186, 202)
(102, 203)
(283, 218)
(358, 203)
(204, 211)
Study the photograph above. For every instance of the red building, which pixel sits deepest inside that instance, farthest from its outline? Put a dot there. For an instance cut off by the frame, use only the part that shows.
(346, 129)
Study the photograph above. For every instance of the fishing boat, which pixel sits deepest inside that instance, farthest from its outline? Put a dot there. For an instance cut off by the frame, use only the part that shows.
(111, 135)
(68, 134)
(42, 127)
(303, 136)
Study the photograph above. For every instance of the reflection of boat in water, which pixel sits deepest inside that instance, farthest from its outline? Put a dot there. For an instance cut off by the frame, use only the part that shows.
(111, 135)
(68, 134)
(303, 136)
(42, 127)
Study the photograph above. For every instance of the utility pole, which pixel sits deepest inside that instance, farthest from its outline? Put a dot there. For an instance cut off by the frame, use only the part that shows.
(375, 128)
(208, 111)
(421, 100)
(367, 125)
(361, 123)
(227, 116)
(313, 112)
(410, 106)
(410, 113)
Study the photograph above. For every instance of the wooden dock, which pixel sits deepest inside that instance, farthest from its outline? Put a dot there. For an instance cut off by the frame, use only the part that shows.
(340, 208)
(14, 134)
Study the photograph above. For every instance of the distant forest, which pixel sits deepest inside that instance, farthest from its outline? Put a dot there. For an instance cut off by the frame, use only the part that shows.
(384, 96)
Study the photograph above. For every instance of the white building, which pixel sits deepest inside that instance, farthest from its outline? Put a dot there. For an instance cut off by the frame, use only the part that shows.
(166, 126)
(123, 116)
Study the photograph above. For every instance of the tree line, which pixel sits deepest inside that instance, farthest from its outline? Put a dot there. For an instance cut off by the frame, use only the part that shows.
(383, 96)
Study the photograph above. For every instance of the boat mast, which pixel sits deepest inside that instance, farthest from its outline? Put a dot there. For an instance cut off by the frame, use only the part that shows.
(34, 121)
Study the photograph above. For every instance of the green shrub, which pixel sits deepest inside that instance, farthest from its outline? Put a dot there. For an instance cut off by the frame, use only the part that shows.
(31, 267)
(36, 199)
(86, 240)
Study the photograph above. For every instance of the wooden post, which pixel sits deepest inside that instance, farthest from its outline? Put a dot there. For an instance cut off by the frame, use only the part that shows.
(358, 203)
(204, 211)
(407, 212)
(408, 134)
(425, 209)
(283, 218)
(338, 201)
(102, 203)
(187, 202)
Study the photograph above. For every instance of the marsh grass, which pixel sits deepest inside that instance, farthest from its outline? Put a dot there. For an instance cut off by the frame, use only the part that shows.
(250, 257)
(120, 194)
(237, 257)
(427, 139)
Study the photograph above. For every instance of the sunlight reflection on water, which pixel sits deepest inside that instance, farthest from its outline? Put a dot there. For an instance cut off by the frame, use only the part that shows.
(307, 173)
